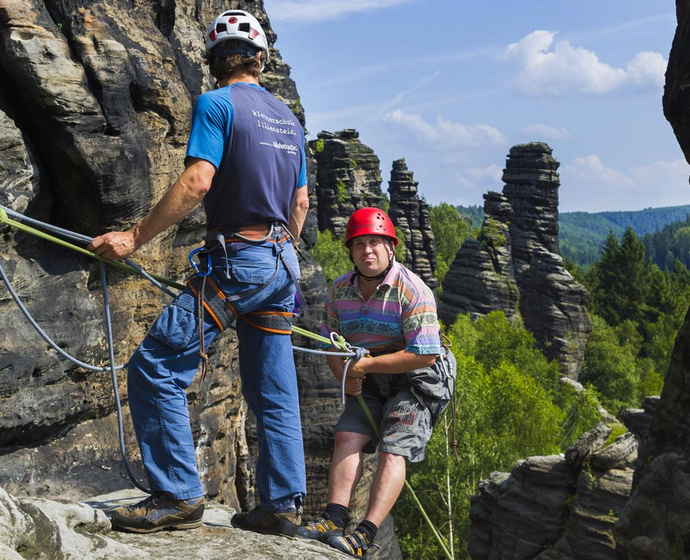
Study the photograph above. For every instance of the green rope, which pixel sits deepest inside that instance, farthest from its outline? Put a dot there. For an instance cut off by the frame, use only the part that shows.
(340, 344)
(28, 229)
(439, 538)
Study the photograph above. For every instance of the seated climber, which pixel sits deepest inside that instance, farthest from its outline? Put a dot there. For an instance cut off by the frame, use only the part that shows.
(406, 380)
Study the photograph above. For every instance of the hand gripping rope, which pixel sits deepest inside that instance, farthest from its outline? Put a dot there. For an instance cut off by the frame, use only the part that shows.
(337, 342)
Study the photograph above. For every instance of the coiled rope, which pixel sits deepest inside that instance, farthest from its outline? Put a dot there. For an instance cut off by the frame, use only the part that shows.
(345, 350)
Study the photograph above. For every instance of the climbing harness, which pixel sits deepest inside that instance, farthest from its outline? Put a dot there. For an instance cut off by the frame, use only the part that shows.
(219, 305)
(213, 301)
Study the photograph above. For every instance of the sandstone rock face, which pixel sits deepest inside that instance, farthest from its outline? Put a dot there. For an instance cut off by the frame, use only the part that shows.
(43, 528)
(554, 308)
(481, 278)
(531, 188)
(515, 264)
(348, 177)
(655, 522)
(555, 507)
(99, 100)
(410, 213)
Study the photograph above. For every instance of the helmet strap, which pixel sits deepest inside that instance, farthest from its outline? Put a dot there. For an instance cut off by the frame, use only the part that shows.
(378, 276)
(245, 50)
(381, 276)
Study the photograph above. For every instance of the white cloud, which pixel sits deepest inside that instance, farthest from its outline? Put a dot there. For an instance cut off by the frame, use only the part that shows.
(492, 174)
(398, 97)
(320, 10)
(539, 132)
(444, 133)
(546, 68)
(661, 173)
(647, 68)
(590, 169)
(587, 184)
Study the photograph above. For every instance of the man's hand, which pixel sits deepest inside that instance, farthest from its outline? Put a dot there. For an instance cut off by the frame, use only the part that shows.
(353, 386)
(114, 245)
(360, 368)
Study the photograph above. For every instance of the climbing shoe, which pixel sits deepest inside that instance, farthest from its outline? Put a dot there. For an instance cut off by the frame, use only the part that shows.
(355, 544)
(321, 530)
(280, 522)
(158, 512)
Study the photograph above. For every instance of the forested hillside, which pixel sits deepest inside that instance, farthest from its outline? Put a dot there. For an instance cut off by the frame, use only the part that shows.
(582, 234)
(672, 243)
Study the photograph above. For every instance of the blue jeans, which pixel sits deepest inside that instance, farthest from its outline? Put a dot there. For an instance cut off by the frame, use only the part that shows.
(165, 364)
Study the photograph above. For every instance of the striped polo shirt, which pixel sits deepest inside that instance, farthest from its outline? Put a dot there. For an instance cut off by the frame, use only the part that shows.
(401, 314)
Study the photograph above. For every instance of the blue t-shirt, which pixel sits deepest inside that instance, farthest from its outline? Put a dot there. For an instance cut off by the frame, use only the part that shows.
(257, 146)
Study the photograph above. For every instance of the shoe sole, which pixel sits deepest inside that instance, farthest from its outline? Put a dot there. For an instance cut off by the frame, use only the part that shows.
(321, 537)
(281, 528)
(175, 527)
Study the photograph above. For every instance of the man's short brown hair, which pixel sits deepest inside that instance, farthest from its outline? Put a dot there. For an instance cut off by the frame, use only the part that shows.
(222, 65)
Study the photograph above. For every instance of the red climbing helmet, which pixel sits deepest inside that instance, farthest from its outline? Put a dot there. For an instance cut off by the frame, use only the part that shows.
(369, 221)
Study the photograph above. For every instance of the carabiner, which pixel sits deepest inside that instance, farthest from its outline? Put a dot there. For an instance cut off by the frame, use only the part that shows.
(196, 267)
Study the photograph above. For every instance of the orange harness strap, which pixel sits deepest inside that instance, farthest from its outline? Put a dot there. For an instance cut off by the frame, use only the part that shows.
(276, 322)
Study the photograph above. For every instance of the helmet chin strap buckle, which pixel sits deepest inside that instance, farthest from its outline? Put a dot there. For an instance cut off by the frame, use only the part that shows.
(378, 276)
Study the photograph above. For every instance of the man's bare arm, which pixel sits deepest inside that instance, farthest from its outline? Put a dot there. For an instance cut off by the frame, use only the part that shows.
(298, 213)
(182, 197)
(397, 362)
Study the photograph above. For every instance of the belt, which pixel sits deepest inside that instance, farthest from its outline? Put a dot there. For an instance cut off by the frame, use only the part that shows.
(252, 232)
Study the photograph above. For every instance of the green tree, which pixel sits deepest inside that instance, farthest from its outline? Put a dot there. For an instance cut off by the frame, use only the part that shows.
(634, 276)
(507, 406)
(500, 341)
(332, 255)
(450, 231)
(603, 281)
(681, 242)
(621, 281)
(631, 293)
(400, 249)
(611, 364)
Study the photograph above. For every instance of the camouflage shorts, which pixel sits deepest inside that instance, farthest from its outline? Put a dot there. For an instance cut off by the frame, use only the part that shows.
(404, 423)
(404, 406)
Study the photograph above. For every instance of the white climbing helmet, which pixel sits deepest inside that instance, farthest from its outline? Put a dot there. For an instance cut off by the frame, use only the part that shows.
(237, 24)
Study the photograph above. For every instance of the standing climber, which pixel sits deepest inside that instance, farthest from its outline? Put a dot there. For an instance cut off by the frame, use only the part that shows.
(245, 160)
(406, 381)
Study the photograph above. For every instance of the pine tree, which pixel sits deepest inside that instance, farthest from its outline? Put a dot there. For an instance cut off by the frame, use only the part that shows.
(633, 278)
(602, 279)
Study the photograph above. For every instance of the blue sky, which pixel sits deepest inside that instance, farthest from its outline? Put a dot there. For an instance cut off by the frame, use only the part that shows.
(451, 85)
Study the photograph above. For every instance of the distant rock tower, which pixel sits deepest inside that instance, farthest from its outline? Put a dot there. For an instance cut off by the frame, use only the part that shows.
(515, 263)
(531, 188)
(348, 177)
(481, 278)
(411, 214)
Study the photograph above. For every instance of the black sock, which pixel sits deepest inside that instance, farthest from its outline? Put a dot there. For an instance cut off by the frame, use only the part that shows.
(369, 529)
(337, 513)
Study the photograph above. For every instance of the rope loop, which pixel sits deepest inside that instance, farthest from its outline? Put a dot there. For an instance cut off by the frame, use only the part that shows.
(357, 354)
